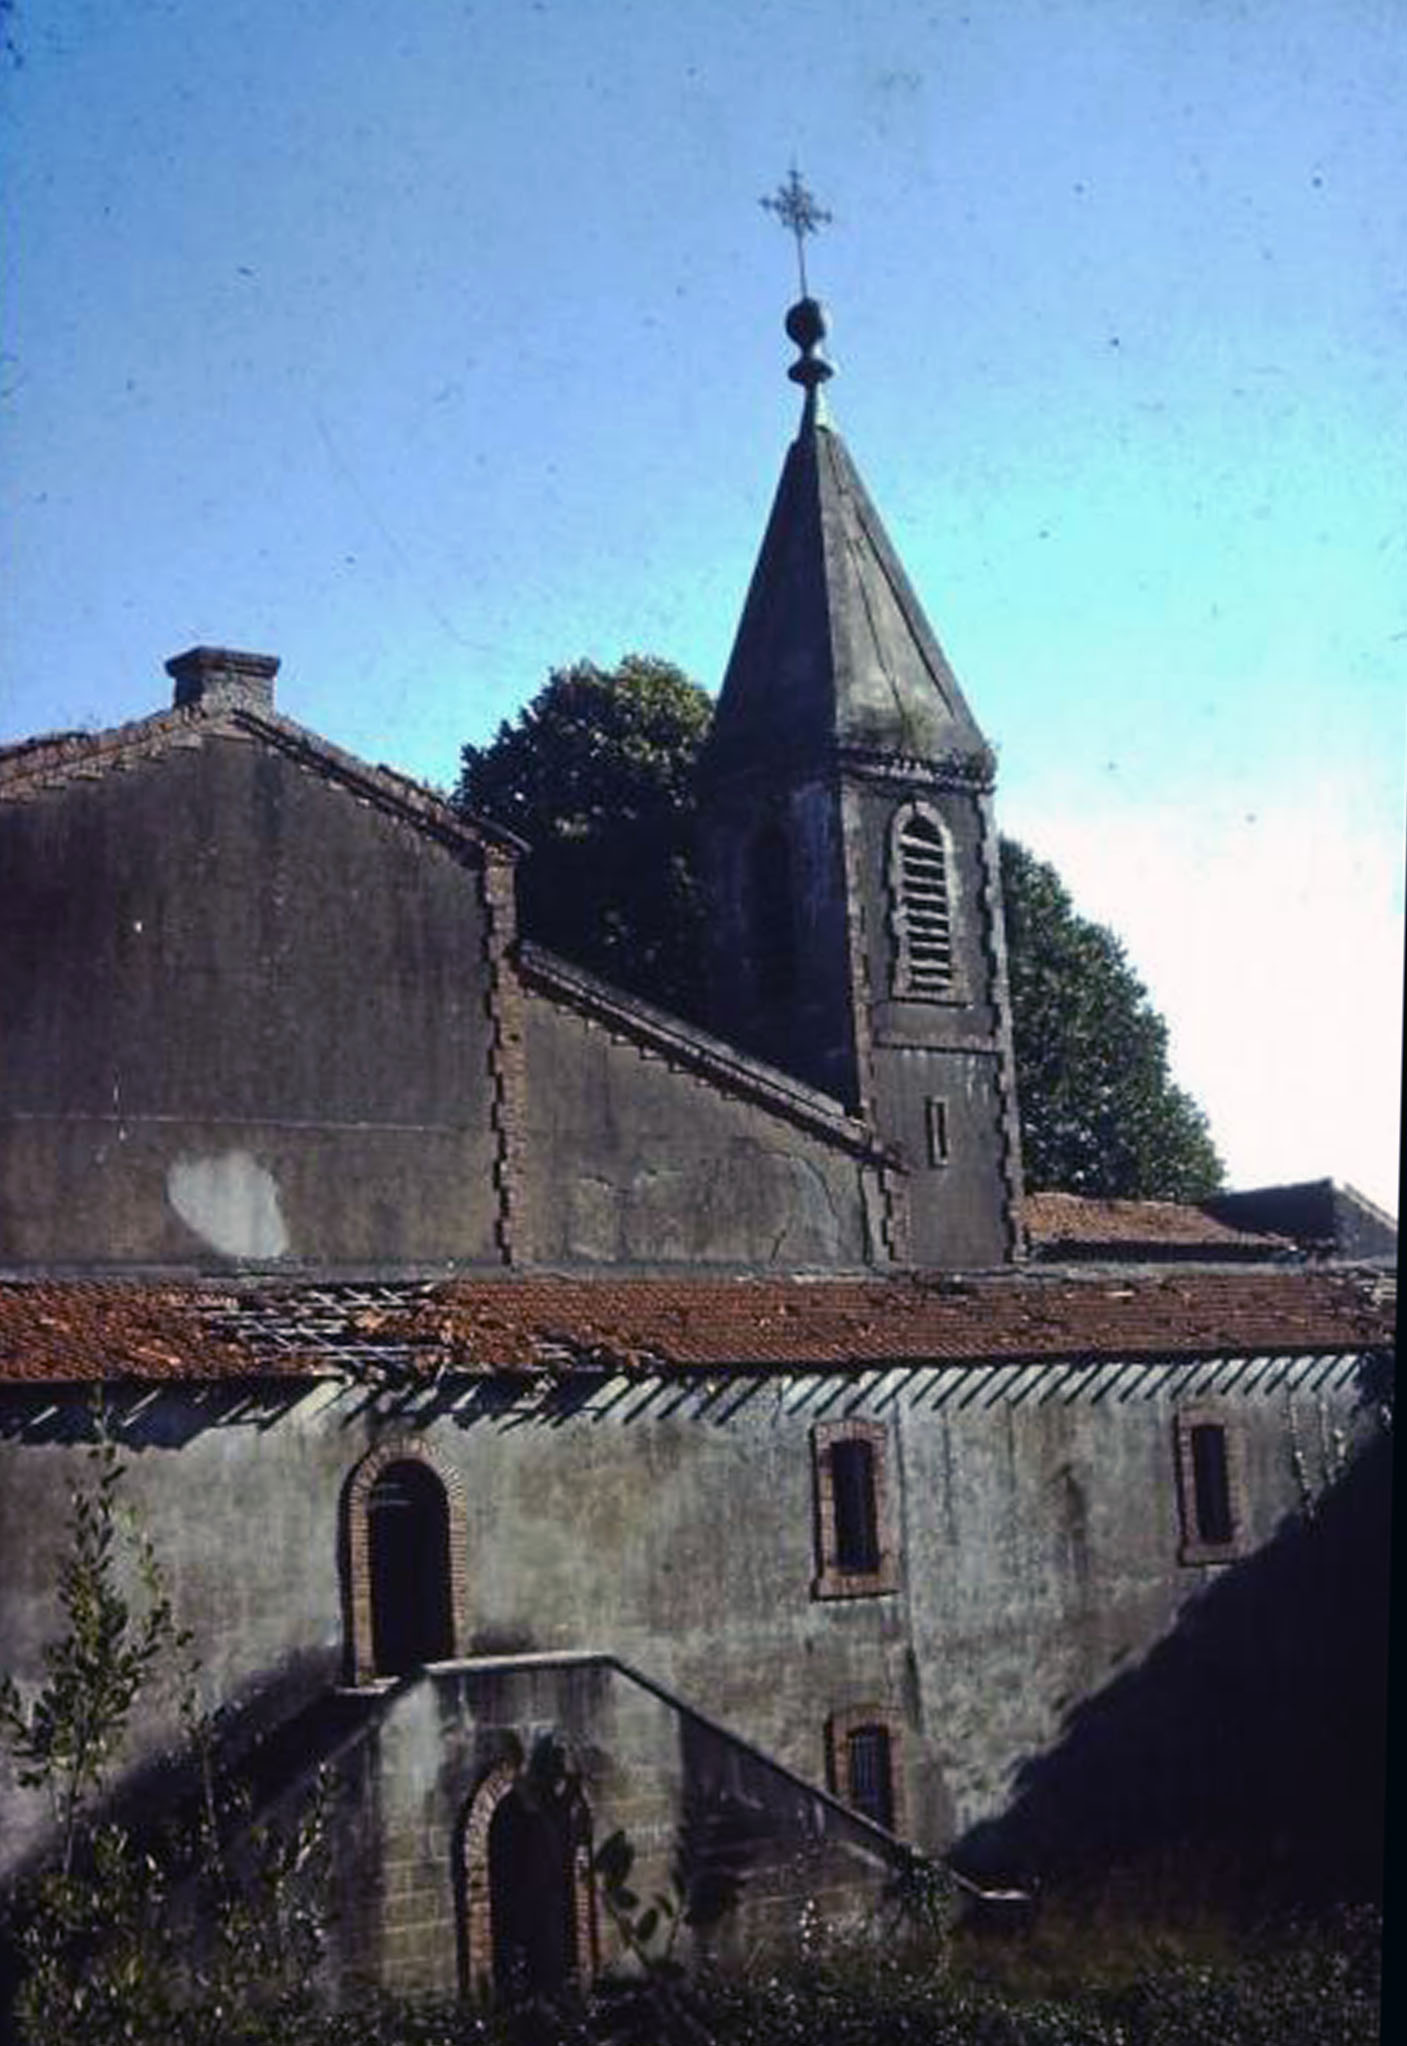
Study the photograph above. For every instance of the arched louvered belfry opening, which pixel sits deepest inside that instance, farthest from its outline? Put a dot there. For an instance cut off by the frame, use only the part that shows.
(920, 891)
(408, 1555)
(771, 913)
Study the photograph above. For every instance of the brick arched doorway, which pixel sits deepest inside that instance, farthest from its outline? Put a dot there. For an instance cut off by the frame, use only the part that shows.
(529, 1923)
(406, 1560)
(407, 1514)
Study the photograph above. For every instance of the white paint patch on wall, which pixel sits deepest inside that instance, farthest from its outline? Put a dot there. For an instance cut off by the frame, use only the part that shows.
(231, 1202)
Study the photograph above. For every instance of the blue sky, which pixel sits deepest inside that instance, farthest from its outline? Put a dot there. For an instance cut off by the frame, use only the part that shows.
(430, 347)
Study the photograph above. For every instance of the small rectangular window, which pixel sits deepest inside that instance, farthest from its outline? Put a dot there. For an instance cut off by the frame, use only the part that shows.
(871, 1778)
(936, 1112)
(1211, 1484)
(856, 1521)
(865, 1763)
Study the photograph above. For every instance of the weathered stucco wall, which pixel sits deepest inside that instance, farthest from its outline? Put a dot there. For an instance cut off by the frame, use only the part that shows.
(674, 1524)
(248, 1016)
(632, 1160)
(801, 1020)
(242, 1015)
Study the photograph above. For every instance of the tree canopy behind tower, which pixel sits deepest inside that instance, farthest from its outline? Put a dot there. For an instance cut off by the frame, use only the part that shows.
(597, 774)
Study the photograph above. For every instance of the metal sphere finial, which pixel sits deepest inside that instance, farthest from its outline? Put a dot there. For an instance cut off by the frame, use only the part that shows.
(808, 326)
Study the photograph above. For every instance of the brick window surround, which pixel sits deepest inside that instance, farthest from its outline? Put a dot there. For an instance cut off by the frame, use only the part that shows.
(361, 1652)
(852, 1575)
(841, 1729)
(1211, 1484)
(476, 1950)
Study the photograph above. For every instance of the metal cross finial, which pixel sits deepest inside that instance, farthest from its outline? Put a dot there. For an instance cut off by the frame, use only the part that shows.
(798, 212)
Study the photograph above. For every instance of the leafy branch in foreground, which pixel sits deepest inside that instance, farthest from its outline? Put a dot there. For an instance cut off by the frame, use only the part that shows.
(66, 1738)
(121, 1937)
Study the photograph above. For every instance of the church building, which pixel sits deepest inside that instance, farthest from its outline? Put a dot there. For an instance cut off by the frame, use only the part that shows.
(555, 1417)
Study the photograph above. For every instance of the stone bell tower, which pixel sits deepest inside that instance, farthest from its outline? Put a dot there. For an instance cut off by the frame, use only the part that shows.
(851, 854)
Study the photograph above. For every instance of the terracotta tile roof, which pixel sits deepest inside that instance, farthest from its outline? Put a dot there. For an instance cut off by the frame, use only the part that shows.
(1058, 1220)
(87, 1331)
(66, 1331)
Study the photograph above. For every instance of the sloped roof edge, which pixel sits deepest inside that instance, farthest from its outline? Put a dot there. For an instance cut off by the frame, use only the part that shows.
(33, 765)
(710, 1058)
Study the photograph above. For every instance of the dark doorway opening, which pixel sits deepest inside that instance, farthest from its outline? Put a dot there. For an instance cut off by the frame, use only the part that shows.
(408, 1543)
(533, 1896)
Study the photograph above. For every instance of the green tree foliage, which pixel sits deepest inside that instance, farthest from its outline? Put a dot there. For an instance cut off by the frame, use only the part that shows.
(596, 774)
(101, 1936)
(65, 1738)
(1099, 1111)
(88, 1931)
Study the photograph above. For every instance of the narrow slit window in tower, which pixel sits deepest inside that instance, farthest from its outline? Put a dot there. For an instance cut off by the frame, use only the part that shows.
(773, 934)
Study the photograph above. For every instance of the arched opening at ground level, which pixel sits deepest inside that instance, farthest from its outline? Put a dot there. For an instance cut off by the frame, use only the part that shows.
(529, 1926)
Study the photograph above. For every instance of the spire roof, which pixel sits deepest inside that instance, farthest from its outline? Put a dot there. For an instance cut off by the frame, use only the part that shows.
(833, 652)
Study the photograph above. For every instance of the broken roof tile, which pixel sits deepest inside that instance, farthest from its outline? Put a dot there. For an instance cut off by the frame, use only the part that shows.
(91, 1331)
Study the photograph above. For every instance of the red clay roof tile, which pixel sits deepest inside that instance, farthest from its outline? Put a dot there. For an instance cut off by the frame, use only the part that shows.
(1059, 1219)
(55, 1332)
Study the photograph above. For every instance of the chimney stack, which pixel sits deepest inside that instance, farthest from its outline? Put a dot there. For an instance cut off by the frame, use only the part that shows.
(221, 672)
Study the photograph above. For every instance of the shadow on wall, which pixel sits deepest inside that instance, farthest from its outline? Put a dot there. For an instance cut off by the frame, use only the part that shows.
(754, 1848)
(144, 1416)
(623, 1390)
(266, 1747)
(1252, 1738)
(723, 1830)
(265, 1751)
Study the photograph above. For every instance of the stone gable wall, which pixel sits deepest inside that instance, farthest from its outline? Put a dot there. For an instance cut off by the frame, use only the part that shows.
(242, 1015)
